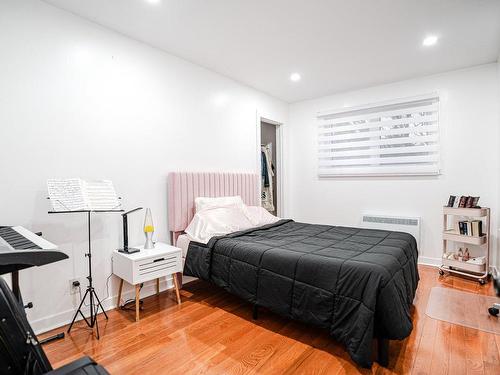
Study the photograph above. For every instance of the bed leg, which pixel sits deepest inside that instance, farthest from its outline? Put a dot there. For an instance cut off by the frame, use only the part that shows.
(255, 314)
(383, 352)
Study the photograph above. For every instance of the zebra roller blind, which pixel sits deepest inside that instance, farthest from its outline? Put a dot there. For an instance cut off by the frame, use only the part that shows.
(400, 138)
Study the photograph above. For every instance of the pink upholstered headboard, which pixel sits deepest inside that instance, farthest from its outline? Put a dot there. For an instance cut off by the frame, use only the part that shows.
(184, 187)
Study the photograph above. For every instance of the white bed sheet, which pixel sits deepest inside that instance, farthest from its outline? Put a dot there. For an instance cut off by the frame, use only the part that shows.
(219, 221)
(183, 242)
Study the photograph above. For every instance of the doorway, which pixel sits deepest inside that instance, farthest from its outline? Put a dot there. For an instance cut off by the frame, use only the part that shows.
(270, 166)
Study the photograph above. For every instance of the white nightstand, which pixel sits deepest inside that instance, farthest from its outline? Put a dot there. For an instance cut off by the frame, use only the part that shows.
(147, 265)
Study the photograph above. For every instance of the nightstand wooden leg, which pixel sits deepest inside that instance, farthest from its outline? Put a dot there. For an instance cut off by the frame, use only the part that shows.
(176, 284)
(119, 293)
(137, 301)
(179, 279)
(157, 286)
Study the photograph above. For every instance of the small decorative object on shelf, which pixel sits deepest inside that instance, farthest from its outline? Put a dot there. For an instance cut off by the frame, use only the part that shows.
(149, 230)
(465, 201)
(475, 233)
(451, 201)
(475, 201)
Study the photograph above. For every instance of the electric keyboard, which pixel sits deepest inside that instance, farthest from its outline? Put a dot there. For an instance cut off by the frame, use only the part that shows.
(20, 249)
(19, 238)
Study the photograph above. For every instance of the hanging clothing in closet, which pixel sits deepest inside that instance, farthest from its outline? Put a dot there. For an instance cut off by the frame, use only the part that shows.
(267, 171)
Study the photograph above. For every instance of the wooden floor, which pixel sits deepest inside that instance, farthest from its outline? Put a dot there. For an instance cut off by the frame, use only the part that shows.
(213, 332)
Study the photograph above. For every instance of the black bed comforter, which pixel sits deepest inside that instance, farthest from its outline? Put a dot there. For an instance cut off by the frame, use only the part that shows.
(357, 283)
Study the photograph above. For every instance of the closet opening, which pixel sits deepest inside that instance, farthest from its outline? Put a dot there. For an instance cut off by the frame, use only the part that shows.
(270, 164)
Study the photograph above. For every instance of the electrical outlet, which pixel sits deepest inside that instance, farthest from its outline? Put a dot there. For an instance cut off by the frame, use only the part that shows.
(74, 285)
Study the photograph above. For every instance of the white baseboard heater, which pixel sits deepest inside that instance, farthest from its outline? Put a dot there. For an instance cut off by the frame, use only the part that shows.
(405, 224)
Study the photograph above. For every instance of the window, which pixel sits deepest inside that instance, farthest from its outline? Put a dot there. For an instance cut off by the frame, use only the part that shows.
(400, 138)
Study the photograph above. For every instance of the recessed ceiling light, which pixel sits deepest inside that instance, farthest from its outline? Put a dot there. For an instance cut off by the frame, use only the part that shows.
(430, 40)
(295, 77)
(153, 1)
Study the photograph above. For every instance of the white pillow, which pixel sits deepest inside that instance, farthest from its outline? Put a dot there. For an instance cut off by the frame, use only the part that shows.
(206, 203)
(217, 221)
(259, 216)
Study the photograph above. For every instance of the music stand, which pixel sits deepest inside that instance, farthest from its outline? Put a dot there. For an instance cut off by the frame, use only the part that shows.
(90, 291)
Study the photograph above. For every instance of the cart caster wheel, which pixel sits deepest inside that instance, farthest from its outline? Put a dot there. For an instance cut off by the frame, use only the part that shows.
(441, 272)
(482, 281)
(493, 311)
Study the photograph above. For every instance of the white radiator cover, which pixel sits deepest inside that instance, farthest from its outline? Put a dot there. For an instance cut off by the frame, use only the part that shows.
(405, 224)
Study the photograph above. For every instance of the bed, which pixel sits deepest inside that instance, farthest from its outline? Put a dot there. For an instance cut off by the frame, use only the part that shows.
(357, 283)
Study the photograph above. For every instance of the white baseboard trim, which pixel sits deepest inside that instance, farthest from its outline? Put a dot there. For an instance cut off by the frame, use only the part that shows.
(427, 261)
(54, 321)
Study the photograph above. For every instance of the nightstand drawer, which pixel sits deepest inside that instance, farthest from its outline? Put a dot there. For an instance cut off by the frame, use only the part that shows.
(159, 266)
(159, 261)
(147, 264)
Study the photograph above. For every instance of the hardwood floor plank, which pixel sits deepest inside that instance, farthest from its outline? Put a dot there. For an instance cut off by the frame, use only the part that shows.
(212, 332)
(441, 351)
(458, 360)
(425, 347)
(489, 348)
(249, 349)
(473, 352)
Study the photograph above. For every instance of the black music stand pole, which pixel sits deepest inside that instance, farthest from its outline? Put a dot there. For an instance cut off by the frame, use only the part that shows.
(90, 291)
(95, 303)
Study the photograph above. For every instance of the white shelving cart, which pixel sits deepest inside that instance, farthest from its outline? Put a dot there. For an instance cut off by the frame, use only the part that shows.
(477, 271)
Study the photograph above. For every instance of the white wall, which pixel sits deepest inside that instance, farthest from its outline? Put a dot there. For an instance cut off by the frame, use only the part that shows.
(497, 255)
(469, 142)
(77, 100)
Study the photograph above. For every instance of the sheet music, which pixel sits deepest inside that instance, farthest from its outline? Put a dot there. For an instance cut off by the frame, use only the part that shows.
(101, 195)
(66, 194)
(73, 194)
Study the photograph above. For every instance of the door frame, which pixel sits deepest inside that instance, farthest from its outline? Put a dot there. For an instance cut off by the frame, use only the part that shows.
(279, 199)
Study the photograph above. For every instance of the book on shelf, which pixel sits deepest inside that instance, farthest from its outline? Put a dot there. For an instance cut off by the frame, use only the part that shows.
(471, 228)
(477, 228)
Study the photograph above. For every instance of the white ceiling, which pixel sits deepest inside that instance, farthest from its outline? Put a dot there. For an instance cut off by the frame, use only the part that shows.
(335, 45)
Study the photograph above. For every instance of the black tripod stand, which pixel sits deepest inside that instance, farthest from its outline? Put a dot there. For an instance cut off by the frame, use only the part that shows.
(90, 291)
(95, 303)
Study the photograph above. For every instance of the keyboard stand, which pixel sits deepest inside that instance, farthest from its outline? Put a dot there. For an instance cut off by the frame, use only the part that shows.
(17, 293)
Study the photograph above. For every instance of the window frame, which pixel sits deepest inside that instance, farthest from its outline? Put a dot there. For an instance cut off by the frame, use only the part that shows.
(372, 107)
